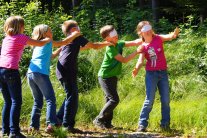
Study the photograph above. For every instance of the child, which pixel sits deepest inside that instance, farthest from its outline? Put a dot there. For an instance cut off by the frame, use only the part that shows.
(67, 73)
(38, 77)
(156, 73)
(12, 49)
(110, 69)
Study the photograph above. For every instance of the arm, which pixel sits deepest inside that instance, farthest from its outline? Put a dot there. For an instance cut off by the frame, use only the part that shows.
(133, 43)
(138, 65)
(56, 52)
(122, 59)
(67, 40)
(170, 36)
(38, 42)
(97, 45)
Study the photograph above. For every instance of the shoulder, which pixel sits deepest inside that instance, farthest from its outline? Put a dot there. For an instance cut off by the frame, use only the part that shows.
(79, 38)
(121, 42)
(22, 36)
(49, 44)
(158, 37)
(110, 49)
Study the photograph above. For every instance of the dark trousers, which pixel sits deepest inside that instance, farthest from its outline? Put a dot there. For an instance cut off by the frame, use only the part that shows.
(10, 85)
(68, 110)
(109, 86)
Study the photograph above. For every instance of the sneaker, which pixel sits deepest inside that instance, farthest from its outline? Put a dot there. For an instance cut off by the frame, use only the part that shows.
(4, 135)
(99, 124)
(72, 130)
(109, 126)
(59, 123)
(141, 129)
(20, 135)
(49, 129)
(165, 128)
(32, 130)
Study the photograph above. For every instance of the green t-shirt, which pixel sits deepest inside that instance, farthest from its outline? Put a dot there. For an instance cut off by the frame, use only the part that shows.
(110, 67)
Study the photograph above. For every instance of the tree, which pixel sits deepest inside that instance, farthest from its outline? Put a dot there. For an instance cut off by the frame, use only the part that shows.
(155, 11)
(198, 7)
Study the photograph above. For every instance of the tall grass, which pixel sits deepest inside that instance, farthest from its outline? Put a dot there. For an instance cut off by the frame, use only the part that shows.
(187, 86)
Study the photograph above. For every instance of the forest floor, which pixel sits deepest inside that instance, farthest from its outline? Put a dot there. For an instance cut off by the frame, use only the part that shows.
(102, 133)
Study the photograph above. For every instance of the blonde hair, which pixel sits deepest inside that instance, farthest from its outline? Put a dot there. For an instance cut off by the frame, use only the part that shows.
(39, 31)
(13, 25)
(68, 25)
(104, 31)
(139, 27)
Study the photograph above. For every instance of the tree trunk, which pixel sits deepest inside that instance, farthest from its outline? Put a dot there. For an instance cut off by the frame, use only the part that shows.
(141, 3)
(43, 6)
(57, 3)
(155, 11)
(49, 5)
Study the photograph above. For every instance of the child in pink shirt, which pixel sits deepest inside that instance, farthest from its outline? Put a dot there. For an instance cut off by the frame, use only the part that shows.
(10, 82)
(156, 73)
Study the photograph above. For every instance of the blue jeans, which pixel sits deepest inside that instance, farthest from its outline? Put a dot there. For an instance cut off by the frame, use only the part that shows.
(41, 86)
(69, 106)
(154, 80)
(10, 83)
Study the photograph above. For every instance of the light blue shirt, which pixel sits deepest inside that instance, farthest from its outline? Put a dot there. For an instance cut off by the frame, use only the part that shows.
(40, 61)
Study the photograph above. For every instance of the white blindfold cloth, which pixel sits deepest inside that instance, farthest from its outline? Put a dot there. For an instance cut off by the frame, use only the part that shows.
(113, 33)
(146, 28)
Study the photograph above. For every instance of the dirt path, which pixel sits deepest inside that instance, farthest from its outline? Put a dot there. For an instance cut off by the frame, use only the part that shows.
(98, 133)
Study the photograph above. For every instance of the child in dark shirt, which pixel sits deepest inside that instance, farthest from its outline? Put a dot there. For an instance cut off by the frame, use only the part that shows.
(66, 71)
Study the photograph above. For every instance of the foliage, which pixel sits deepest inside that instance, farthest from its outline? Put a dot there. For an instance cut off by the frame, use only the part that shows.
(163, 26)
(186, 57)
(105, 17)
(132, 17)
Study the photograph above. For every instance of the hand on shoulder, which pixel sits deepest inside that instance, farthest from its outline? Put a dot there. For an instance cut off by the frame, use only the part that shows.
(108, 43)
(140, 49)
(47, 39)
(76, 33)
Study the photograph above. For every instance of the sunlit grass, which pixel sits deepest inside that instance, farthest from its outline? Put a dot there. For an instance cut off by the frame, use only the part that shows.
(187, 90)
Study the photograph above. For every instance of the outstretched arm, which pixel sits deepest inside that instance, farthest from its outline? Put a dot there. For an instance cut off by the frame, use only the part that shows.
(133, 43)
(170, 36)
(122, 59)
(42, 42)
(138, 65)
(97, 45)
(67, 40)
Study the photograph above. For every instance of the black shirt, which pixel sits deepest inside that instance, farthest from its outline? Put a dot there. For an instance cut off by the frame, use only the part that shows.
(67, 62)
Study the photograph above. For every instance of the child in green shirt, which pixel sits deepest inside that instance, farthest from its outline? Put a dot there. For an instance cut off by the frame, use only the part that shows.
(110, 69)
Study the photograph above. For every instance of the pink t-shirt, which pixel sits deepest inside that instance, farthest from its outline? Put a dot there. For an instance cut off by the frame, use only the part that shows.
(154, 53)
(12, 49)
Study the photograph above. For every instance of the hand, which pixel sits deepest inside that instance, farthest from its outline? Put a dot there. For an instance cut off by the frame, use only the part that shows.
(134, 72)
(109, 43)
(76, 33)
(138, 41)
(176, 32)
(47, 39)
(140, 49)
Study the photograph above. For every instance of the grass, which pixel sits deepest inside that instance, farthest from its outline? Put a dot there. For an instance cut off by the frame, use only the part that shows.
(187, 84)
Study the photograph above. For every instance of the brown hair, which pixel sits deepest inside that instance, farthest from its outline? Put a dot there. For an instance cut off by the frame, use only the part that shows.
(139, 27)
(104, 31)
(68, 25)
(39, 31)
(13, 25)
